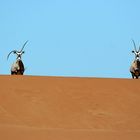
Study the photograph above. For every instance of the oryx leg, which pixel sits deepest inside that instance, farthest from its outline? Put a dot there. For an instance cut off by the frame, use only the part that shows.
(137, 77)
(137, 74)
(13, 73)
(133, 75)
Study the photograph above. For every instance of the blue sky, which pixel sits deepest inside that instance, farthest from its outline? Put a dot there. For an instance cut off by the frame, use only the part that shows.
(86, 38)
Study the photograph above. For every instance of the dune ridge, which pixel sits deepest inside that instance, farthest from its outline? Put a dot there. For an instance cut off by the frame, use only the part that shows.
(64, 108)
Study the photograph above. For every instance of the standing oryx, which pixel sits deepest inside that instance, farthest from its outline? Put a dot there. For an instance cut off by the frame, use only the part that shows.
(135, 67)
(18, 66)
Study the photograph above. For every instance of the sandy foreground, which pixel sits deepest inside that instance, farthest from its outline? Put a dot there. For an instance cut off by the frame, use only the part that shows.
(58, 108)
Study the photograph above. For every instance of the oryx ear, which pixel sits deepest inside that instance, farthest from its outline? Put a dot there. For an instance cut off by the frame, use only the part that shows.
(14, 52)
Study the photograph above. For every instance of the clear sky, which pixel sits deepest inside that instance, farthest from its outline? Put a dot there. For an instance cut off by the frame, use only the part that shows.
(87, 38)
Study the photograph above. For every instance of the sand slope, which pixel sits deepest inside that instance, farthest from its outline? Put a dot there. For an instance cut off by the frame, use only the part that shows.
(57, 108)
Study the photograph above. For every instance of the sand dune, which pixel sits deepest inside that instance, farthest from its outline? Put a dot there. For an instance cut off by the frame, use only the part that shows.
(58, 108)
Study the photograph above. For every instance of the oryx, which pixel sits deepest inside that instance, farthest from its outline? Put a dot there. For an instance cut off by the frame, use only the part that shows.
(135, 66)
(18, 66)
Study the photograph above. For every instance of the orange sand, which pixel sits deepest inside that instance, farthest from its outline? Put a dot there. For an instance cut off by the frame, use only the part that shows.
(57, 108)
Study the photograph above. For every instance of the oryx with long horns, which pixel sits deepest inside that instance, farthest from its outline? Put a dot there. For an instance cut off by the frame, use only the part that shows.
(135, 66)
(18, 66)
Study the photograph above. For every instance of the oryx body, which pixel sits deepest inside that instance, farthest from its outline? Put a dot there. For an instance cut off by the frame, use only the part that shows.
(17, 67)
(135, 69)
(135, 66)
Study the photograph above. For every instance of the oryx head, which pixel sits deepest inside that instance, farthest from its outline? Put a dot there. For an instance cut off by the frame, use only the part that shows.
(18, 53)
(135, 51)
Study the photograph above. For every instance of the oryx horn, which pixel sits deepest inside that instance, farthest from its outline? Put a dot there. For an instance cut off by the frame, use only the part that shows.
(23, 46)
(14, 51)
(139, 48)
(134, 45)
